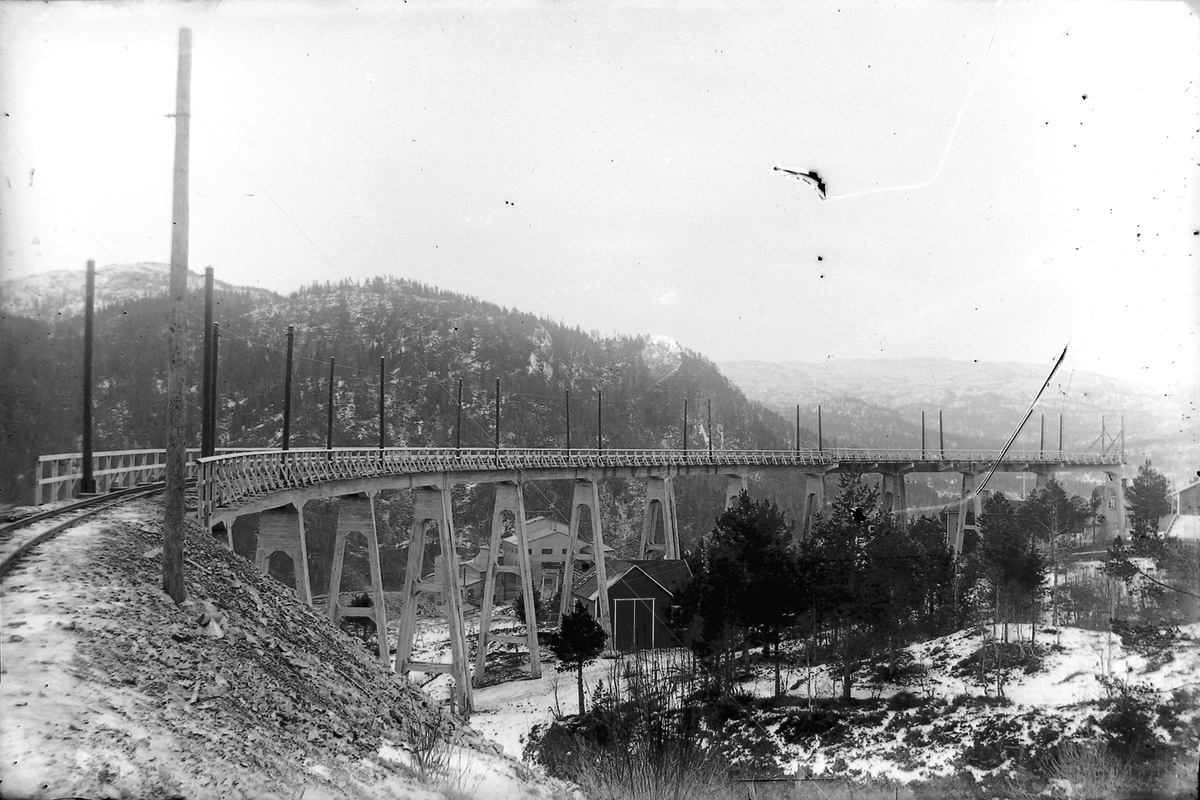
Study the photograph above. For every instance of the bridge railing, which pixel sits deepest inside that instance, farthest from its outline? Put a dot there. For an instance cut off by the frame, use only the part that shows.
(228, 479)
(60, 476)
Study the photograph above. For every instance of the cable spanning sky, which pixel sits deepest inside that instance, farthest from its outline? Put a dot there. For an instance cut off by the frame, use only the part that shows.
(1002, 178)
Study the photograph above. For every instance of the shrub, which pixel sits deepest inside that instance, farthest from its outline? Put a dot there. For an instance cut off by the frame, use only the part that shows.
(1092, 772)
(1128, 724)
(978, 701)
(638, 740)
(1145, 639)
(903, 700)
(799, 726)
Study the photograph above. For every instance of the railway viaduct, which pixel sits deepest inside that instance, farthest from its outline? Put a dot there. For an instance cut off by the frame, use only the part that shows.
(276, 484)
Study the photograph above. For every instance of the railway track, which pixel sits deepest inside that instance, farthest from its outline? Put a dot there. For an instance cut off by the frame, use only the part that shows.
(20, 536)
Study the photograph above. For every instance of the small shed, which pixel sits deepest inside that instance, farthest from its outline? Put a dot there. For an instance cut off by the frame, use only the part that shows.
(640, 596)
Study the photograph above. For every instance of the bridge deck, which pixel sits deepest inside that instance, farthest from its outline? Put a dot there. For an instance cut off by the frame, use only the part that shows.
(229, 480)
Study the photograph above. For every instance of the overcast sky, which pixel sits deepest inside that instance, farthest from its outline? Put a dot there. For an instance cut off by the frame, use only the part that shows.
(1001, 178)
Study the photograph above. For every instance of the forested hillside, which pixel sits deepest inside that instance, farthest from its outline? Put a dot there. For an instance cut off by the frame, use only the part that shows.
(429, 340)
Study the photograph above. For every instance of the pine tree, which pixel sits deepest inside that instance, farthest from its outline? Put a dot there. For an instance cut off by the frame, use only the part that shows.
(519, 605)
(1148, 499)
(578, 642)
(1050, 515)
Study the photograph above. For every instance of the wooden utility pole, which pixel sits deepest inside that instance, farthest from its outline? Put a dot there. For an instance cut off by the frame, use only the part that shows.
(599, 419)
(176, 467)
(710, 448)
(329, 409)
(206, 437)
(567, 397)
(458, 419)
(922, 434)
(287, 390)
(820, 432)
(497, 415)
(214, 395)
(382, 398)
(88, 485)
(797, 427)
(941, 436)
(1042, 439)
(685, 410)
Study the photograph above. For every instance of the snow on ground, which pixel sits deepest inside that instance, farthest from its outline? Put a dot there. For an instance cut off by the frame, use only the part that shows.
(1054, 700)
(109, 689)
(506, 712)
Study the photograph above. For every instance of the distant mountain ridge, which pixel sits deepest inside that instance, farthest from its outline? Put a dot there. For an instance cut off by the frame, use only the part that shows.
(60, 292)
(878, 403)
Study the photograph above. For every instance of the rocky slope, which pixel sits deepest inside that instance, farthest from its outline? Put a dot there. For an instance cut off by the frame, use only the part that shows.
(111, 690)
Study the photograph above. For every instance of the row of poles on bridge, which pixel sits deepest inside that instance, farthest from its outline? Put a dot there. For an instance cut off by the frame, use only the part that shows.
(209, 396)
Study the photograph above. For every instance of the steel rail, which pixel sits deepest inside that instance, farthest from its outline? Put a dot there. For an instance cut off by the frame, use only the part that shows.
(227, 479)
(89, 507)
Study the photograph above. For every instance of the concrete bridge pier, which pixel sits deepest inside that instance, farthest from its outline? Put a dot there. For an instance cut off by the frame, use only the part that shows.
(511, 500)
(969, 481)
(893, 496)
(431, 507)
(734, 486)
(224, 532)
(356, 514)
(587, 495)
(660, 504)
(1114, 503)
(281, 530)
(814, 500)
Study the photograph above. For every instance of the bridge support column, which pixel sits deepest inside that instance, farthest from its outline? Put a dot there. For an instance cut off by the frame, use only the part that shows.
(587, 495)
(224, 532)
(734, 486)
(969, 482)
(356, 514)
(1117, 488)
(893, 494)
(508, 498)
(431, 506)
(281, 530)
(814, 500)
(660, 504)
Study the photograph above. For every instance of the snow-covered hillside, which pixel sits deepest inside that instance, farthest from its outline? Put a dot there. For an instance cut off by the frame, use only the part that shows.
(981, 403)
(48, 295)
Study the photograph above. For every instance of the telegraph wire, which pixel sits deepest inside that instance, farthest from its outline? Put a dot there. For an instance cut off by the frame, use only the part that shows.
(268, 194)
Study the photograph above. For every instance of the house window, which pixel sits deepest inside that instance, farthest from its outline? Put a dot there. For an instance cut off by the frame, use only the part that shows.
(547, 551)
(531, 551)
(1112, 503)
(564, 551)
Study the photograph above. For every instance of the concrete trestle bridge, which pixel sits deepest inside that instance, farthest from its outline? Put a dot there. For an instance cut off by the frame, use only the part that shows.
(276, 484)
